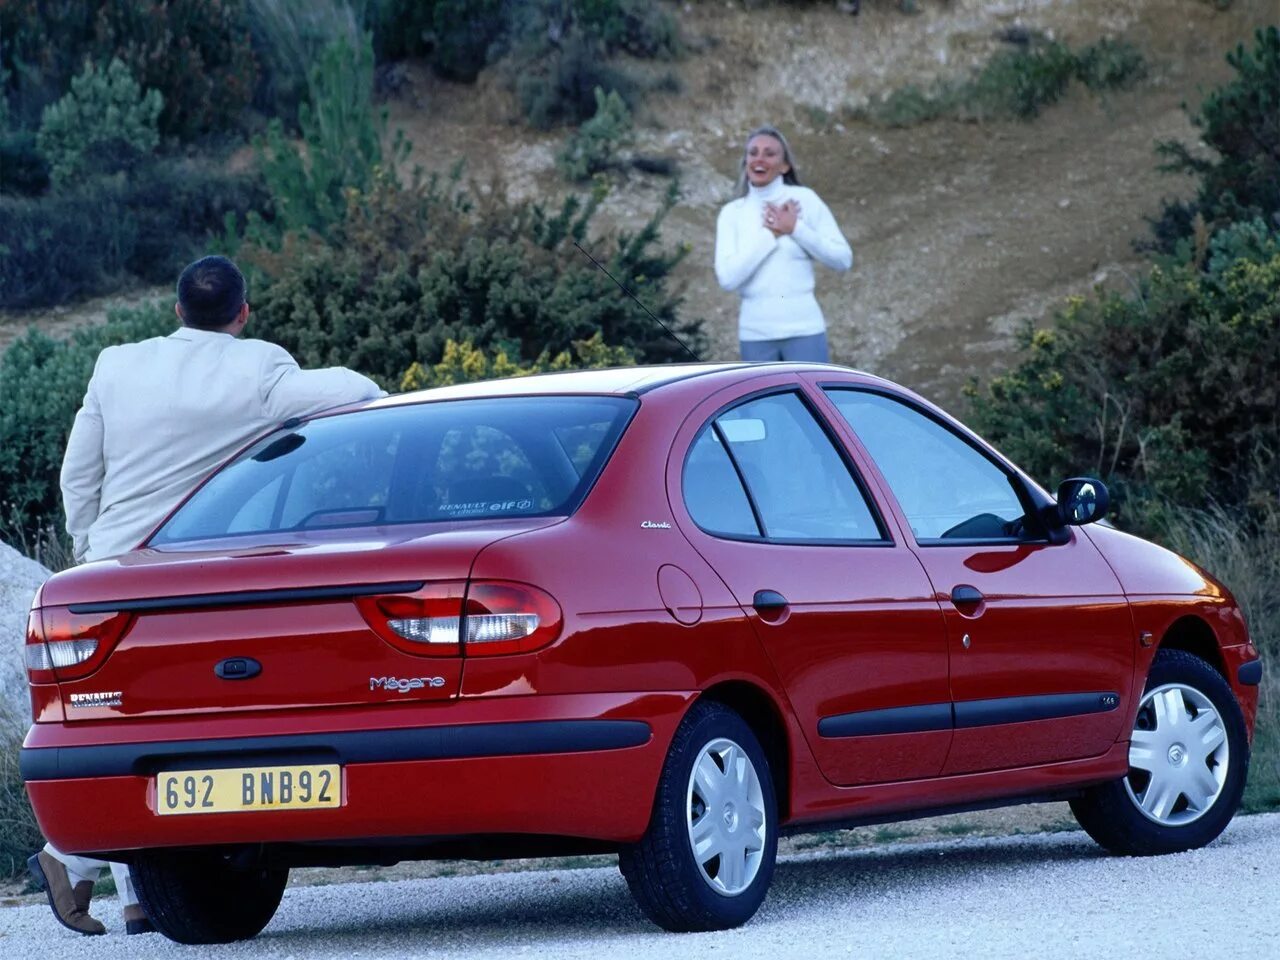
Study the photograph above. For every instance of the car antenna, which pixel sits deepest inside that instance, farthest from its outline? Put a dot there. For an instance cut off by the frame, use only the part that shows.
(674, 336)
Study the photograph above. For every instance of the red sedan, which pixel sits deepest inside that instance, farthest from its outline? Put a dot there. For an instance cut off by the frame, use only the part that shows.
(670, 612)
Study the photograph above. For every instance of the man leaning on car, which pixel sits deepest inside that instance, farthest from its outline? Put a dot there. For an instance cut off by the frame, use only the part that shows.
(157, 417)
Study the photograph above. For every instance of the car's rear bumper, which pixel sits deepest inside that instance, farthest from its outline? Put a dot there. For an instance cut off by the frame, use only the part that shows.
(573, 766)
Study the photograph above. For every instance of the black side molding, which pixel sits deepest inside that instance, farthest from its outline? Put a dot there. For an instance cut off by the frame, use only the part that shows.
(868, 723)
(365, 746)
(965, 714)
(1250, 674)
(245, 597)
(984, 713)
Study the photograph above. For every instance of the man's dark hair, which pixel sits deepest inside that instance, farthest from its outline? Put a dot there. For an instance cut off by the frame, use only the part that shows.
(211, 292)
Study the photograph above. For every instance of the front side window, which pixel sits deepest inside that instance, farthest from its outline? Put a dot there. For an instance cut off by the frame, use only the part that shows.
(454, 460)
(800, 487)
(947, 489)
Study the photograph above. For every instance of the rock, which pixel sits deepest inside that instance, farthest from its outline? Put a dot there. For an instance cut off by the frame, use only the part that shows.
(19, 578)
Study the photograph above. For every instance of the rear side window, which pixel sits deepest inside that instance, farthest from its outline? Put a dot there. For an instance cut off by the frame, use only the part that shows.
(800, 487)
(456, 460)
(713, 493)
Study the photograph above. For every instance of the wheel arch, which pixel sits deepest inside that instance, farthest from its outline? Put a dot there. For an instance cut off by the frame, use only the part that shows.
(1193, 635)
(763, 715)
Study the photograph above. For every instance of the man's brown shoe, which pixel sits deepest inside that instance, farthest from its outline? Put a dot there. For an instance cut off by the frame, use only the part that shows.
(70, 905)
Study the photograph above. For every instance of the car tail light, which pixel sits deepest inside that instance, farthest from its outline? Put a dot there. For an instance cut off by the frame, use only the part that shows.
(490, 618)
(62, 645)
(509, 618)
(425, 623)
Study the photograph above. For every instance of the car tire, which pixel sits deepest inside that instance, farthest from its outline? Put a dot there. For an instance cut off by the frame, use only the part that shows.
(715, 797)
(200, 897)
(1189, 758)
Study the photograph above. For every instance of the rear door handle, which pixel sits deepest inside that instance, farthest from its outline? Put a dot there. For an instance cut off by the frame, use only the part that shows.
(768, 600)
(966, 596)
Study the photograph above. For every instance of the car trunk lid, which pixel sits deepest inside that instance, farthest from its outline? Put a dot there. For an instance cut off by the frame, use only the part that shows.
(246, 624)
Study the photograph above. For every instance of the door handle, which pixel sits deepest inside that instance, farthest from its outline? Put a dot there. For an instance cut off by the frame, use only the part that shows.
(768, 600)
(966, 596)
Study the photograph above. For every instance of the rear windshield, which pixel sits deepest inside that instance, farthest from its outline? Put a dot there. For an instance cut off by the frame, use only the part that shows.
(454, 460)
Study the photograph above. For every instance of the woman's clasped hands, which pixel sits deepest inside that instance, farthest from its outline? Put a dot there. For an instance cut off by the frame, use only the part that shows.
(781, 219)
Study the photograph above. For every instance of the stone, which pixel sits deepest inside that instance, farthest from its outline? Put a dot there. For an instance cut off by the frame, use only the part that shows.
(19, 579)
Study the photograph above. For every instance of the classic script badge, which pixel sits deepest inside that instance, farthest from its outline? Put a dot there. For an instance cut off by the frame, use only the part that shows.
(655, 525)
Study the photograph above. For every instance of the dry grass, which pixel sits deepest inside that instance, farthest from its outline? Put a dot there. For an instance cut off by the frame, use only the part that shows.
(1245, 556)
(19, 835)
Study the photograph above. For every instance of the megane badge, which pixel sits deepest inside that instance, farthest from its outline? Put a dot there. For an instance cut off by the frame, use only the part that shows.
(405, 684)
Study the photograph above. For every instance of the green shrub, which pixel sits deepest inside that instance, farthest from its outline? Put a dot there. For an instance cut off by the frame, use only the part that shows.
(1019, 83)
(467, 363)
(22, 169)
(104, 124)
(197, 53)
(593, 147)
(558, 85)
(459, 34)
(911, 105)
(640, 27)
(107, 232)
(42, 383)
(1015, 84)
(341, 142)
(410, 268)
(556, 52)
(1250, 240)
(1110, 65)
(1240, 122)
(288, 38)
(1170, 397)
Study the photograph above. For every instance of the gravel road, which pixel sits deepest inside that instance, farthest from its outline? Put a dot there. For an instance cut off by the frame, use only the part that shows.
(1045, 896)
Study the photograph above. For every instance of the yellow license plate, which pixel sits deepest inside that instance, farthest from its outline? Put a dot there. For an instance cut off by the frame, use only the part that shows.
(246, 789)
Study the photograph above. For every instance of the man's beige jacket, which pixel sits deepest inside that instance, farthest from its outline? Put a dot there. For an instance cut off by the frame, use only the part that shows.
(159, 415)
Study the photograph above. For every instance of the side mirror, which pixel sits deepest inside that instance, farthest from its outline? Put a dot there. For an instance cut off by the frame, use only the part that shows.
(1081, 500)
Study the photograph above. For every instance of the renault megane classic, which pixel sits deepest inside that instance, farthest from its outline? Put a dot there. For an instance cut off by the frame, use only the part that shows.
(670, 612)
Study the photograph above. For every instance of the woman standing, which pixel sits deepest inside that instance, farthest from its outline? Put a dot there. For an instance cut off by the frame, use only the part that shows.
(766, 242)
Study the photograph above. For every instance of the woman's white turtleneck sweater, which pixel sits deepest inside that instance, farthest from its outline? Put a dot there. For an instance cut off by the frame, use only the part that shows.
(774, 275)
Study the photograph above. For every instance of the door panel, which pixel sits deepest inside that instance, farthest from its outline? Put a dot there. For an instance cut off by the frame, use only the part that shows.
(1043, 677)
(1040, 637)
(854, 631)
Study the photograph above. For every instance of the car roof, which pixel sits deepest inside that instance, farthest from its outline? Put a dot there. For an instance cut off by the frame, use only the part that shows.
(618, 381)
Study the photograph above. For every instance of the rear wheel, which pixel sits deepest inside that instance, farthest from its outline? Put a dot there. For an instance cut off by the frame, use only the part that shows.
(1188, 759)
(203, 897)
(706, 861)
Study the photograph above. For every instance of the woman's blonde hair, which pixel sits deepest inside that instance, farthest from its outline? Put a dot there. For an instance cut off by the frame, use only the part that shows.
(790, 176)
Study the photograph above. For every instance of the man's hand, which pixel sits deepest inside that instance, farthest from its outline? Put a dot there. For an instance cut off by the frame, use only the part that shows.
(781, 219)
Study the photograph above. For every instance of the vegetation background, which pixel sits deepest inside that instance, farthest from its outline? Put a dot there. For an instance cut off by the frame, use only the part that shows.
(1066, 218)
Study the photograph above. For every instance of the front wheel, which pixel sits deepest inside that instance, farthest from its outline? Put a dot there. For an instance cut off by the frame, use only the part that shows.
(1188, 759)
(706, 861)
(206, 897)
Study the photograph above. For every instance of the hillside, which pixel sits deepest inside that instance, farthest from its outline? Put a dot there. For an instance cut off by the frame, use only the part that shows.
(960, 229)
